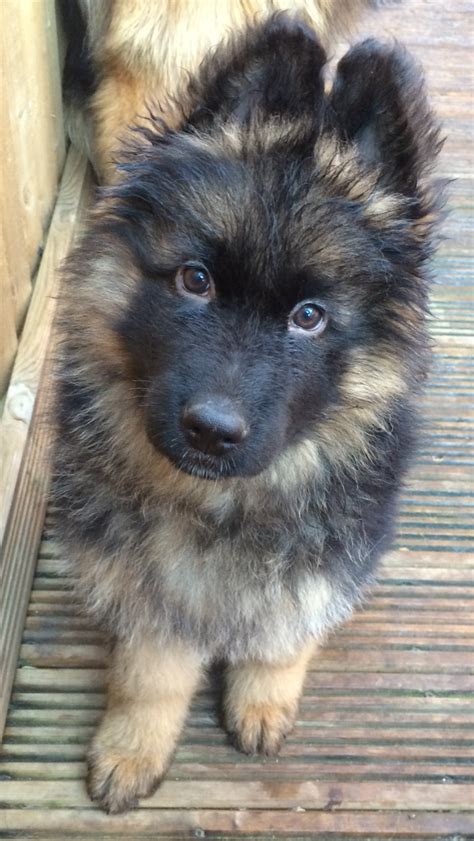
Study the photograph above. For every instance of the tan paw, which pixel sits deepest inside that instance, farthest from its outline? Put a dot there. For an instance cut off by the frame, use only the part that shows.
(117, 781)
(120, 772)
(261, 728)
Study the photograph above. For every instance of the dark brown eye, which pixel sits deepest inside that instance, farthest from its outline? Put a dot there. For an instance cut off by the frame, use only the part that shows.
(308, 317)
(195, 280)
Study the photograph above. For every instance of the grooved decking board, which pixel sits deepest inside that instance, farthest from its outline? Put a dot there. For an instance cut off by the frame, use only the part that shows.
(24, 430)
(384, 744)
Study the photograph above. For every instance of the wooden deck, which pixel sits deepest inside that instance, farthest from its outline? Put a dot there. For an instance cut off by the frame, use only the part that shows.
(383, 746)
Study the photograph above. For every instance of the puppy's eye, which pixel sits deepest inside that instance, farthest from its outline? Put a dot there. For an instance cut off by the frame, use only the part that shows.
(195, 280)
(308, 317)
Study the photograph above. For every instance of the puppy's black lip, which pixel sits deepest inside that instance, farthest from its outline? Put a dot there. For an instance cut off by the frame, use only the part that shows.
(214, 469)
(205, 467)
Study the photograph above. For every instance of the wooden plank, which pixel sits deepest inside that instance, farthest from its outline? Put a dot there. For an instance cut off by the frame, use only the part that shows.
(210, 734)
(308, 717)
(20, 398)
(208, 767)
(194, 823)
(313, 698)
(33, 147)
(33, 97)
(18, 558)
(219, 752)
(9, 341)
(256, 795)
(15, 280)
(24, 469)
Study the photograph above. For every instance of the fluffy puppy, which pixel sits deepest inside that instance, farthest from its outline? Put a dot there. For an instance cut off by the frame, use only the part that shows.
(243, 343)
(127, 56)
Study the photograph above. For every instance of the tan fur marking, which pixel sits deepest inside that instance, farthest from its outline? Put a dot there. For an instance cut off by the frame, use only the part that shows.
(375, 376)
(149, 49)
(150, 689)
(294, 467)
(262, 700)
(123, 100)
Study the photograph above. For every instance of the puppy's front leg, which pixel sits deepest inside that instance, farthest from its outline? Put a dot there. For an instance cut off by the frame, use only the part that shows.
(150, 688)
(262, 701)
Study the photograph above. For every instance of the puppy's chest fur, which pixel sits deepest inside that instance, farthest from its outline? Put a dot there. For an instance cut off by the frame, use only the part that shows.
(236, 584)
(242, 586)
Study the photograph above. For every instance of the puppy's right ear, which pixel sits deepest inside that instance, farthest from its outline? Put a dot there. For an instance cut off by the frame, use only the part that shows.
(271, 70)
(381, 107)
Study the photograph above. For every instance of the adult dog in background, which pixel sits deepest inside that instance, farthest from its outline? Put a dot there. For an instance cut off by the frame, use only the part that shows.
(243, 346)
(126, 57)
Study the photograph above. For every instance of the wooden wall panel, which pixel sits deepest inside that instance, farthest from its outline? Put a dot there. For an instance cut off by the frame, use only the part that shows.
(32, 155)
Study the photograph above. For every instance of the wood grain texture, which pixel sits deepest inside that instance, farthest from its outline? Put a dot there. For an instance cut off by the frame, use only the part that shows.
(19, 554)
(228, 824)
(33, 148)
(383, 747)
(24, 466)
(24, 382)
(258, 794)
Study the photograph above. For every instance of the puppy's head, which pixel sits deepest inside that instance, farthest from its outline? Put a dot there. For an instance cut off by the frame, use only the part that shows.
(258, 273)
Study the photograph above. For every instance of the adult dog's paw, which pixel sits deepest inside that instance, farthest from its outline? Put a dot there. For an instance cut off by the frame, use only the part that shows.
(260, 728)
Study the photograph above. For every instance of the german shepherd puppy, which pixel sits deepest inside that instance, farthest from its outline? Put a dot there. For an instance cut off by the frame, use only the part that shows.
(243, 345)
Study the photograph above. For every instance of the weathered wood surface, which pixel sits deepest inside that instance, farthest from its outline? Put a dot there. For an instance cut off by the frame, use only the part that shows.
(35, 340)
(384, 742)
(32, 144)
(24, 430)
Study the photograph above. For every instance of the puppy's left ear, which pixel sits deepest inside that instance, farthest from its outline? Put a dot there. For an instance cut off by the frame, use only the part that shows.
(270, 70)
(379, 104)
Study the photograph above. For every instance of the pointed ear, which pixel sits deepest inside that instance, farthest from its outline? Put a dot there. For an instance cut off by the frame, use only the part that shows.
(380, 105)
(274, 69)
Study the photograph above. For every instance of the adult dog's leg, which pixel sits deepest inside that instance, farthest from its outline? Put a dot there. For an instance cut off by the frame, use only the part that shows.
(119, 103)
(150, 688)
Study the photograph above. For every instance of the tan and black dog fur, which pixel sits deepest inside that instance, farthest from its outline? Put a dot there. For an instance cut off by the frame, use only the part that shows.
(142, 53)
(243, 346)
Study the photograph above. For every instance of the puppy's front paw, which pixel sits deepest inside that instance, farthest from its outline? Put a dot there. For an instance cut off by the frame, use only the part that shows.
(116, 781)
(121, 767)
(262, 700)
(260, 728)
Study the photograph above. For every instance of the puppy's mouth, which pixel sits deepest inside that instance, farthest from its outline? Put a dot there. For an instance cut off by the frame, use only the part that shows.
(204, 466)
(213, 468)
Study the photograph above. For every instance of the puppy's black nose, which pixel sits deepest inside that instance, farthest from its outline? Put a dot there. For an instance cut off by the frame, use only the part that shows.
(213, 426)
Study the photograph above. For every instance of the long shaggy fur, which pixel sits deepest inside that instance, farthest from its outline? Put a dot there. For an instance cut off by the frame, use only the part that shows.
(285, 193)
(127, 57)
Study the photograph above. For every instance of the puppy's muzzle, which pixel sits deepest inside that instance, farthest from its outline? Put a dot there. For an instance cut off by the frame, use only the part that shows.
(214, 426)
